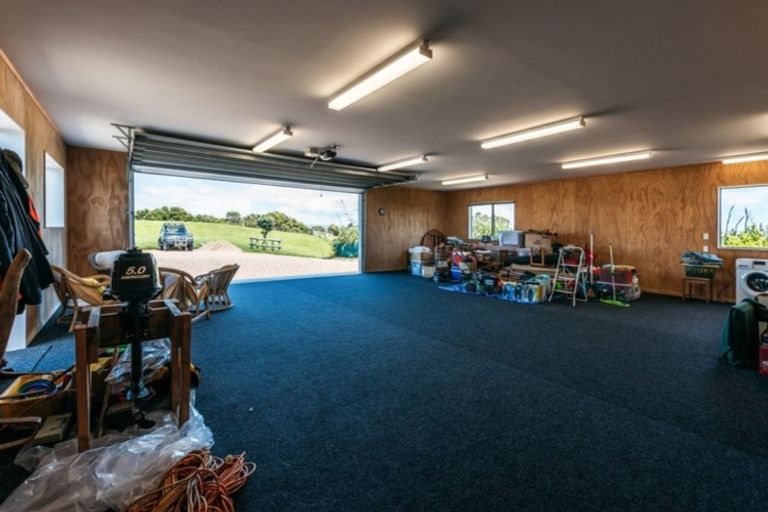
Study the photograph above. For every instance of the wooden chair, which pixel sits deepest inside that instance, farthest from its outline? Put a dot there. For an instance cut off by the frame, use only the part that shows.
(218, 287)
(9, 296)
(65, 299)
(433, 238)
(191, 293)
(79, 292)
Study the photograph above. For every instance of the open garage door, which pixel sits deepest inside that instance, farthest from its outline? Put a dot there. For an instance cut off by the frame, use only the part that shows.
(198, 225)
(156, 153)
(198, 206)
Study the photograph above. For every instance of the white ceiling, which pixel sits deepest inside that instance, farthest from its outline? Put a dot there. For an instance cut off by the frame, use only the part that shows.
(685, 78)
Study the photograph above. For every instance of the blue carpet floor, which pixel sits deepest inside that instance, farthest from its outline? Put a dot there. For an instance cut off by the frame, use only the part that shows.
(382, 392)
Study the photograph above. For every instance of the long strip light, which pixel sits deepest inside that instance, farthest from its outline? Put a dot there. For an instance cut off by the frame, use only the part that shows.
(740, 159)
(403, 163)
(466, 179)
(535, 133)
(390, 70)
(605, 160)
(273, 140)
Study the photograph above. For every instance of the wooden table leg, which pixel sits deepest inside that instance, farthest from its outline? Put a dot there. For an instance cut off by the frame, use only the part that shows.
(83, 387)
(175, 370)
(185, 370)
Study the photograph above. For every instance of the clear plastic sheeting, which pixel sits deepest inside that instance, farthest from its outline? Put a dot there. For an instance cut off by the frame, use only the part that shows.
(109, 476)
(156, 355)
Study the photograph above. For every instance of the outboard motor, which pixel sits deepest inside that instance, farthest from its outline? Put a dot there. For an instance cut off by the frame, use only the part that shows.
(135, 280)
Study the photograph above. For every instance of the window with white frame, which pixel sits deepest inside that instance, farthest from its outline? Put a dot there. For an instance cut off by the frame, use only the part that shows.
(743, 217)
(54, 193)
(490, 219)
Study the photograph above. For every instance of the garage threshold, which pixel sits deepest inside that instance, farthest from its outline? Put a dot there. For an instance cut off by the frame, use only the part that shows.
(292, 278)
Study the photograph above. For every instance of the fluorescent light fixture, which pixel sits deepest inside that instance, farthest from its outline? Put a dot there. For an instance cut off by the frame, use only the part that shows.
(273, 140)
(605, 160)
(740, 159)
(534, 133)
(416, 160)
(390, 70)
(466, 179)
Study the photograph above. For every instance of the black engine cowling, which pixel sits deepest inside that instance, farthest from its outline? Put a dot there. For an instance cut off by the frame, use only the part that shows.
(135, 277)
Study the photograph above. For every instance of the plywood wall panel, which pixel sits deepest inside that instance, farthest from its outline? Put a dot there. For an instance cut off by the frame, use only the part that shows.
(12, 95)
(97, 204)
(409, 214)
(41, 136)
(650, 217)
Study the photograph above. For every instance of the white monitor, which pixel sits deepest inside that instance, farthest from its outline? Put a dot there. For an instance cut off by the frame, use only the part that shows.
(515, 238)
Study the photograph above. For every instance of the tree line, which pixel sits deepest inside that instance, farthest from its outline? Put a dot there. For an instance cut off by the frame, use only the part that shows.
(277, 221)
(482, 224)
(745, 233)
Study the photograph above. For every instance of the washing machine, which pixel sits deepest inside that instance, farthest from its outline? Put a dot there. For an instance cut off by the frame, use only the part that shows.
(751, 278)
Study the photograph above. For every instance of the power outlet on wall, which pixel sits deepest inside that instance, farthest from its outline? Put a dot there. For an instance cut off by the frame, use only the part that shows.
(706, 248)
(705, 236)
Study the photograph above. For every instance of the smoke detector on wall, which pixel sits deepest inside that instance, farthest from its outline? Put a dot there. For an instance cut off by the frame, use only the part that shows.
(326, 154)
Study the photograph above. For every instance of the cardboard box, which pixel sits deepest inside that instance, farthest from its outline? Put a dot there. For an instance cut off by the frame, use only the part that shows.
(538, 241)
(499, 255)
(422, 256)
(622, 274)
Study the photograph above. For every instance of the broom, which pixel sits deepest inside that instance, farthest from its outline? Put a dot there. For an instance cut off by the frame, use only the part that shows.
(613, 302)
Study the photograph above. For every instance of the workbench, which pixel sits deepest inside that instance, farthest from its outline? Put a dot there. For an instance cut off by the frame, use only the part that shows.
(529, 268)
(100, 327)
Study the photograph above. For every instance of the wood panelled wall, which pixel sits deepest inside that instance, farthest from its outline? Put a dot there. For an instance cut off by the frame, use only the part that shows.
(41, 136)
(650, 217)
(97, 204)
(409, 213)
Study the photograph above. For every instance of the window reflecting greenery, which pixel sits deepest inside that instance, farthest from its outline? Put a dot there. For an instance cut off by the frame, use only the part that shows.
(744, 217)
(490, 219)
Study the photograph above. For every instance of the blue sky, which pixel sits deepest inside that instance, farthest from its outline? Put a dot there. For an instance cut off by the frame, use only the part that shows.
(218, 197)
(754, 199)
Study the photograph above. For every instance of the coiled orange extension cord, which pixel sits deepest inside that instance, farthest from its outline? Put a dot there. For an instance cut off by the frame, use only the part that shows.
(199, 482)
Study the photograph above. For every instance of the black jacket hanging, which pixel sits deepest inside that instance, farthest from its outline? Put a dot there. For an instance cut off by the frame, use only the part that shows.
(20, 229)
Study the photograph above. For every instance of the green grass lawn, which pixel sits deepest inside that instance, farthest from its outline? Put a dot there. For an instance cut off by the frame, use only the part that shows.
(293, 244)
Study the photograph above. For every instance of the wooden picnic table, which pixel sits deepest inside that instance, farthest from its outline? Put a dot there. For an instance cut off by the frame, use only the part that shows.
(273, 244)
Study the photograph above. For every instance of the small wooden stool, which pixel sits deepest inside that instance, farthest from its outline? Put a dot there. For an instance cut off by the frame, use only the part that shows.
(690, 282)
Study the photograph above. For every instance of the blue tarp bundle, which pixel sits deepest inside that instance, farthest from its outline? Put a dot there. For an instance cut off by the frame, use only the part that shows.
(700, 258)
(460, 288)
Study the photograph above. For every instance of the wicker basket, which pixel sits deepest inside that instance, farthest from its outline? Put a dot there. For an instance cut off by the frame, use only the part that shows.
(704, 271)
